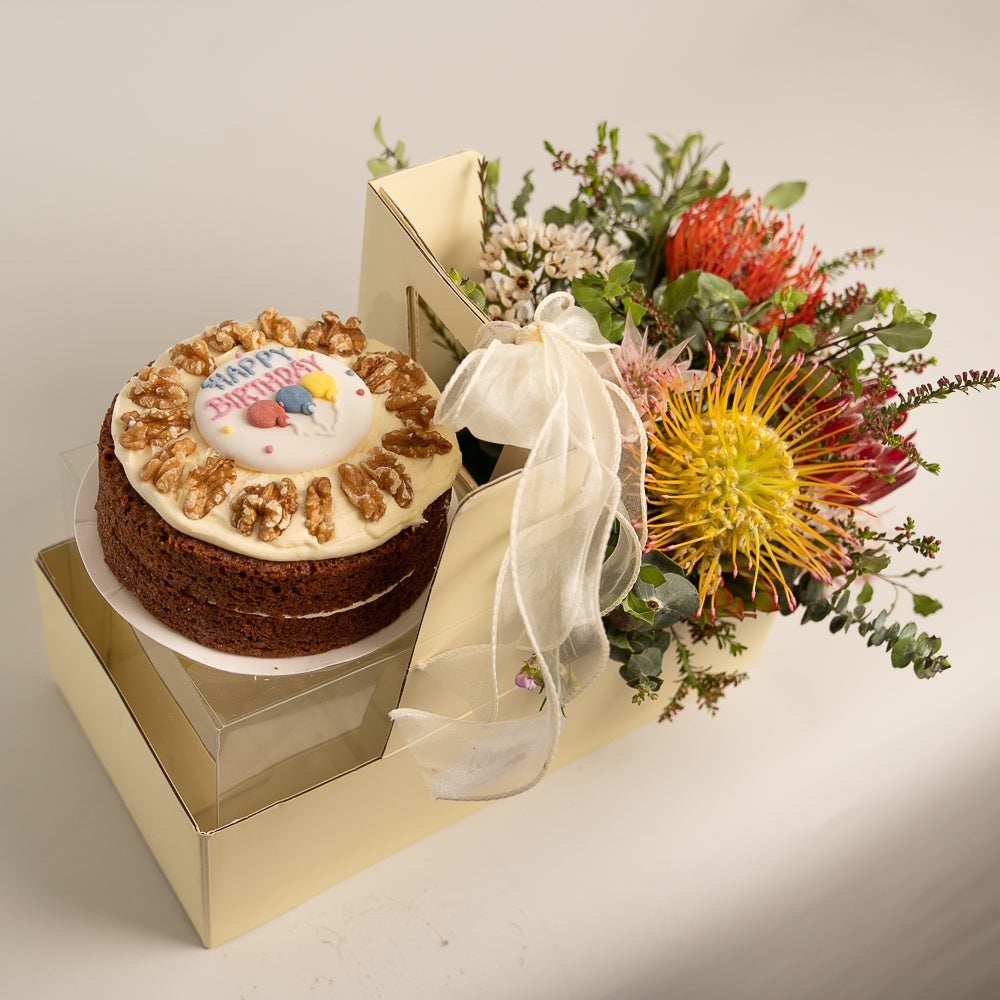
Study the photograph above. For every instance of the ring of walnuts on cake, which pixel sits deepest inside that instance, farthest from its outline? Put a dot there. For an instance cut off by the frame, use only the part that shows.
(276, 487)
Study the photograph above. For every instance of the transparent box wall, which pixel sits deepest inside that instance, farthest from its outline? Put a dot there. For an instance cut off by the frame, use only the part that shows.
(232, 744)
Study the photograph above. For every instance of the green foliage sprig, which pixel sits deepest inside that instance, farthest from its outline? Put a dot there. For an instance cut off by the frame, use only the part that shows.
(849, 602)
(391, 158)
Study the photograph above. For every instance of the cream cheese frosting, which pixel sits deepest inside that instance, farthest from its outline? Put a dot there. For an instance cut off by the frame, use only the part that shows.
(328, 416)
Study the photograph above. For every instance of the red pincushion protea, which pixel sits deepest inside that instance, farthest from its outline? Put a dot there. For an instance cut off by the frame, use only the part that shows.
(885, 468)
(751, 247)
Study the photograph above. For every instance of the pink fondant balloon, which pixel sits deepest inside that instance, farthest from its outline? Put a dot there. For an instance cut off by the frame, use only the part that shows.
(267, 413)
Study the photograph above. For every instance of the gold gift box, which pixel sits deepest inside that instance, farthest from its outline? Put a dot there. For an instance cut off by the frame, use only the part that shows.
(255, 793)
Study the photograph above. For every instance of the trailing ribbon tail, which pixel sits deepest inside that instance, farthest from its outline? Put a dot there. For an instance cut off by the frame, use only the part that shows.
(551, 387)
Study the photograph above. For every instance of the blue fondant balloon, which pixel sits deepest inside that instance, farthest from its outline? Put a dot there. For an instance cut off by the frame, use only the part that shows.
(296, 399)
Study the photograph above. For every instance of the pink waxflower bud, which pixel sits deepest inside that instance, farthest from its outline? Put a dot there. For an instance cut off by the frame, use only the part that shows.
(523, 680)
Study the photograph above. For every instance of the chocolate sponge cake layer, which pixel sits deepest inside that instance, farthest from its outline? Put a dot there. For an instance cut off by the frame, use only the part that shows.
(257, 607)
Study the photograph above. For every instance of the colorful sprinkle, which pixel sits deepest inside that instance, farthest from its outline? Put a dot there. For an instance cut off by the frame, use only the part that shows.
(269, 449)
(359, 392)
(227, 429)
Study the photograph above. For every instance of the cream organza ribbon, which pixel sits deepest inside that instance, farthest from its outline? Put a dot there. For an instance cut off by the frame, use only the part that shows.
(551, 387)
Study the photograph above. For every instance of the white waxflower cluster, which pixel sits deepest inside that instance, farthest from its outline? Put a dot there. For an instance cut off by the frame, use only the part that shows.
(525, 262)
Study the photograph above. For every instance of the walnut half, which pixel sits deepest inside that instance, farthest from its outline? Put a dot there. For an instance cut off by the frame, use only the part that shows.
(153, 427)
(319, 510)
(278, 328)
(193, 356)
(388, 472)
(412, 407)
(208, 485)
(166, 468)
(229, 333)
(158, 387)
(335, 336)
(414, 442)
(270, 505)
(392, 371)
(362, 491)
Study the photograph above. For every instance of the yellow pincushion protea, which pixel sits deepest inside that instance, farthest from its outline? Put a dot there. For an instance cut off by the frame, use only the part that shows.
(739, 468)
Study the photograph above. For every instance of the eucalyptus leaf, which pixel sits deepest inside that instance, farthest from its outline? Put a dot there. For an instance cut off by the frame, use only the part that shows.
(862, 314)
(673, 600)
(873, 562)
(924, 605)
(802, 334)
(713, 290)
(902, 651)
(906, 336)
(784, 195)
(675, 296)
(644, 669)
(651, 575)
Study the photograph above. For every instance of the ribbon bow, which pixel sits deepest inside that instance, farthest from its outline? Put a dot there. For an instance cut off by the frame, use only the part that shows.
(552, 387)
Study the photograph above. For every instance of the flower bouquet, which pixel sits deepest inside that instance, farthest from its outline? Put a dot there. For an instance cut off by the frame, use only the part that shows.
(768, 381)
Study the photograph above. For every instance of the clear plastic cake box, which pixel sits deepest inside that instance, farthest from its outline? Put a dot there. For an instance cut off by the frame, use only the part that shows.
(256, 792)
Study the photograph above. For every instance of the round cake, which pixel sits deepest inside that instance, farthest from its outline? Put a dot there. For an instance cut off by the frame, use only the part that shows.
(276, 488)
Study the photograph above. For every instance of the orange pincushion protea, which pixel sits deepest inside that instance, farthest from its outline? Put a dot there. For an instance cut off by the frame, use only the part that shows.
(740, 468)
(751, 247)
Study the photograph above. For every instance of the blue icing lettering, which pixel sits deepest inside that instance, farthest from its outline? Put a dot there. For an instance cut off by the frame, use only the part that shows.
(219, 379)
(273, 350)
(243, 368)
(232, 373)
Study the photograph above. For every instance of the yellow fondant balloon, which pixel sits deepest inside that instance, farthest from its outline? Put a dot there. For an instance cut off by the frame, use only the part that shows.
(321, 384)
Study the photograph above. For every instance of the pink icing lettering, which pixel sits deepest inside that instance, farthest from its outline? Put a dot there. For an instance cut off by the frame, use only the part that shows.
(255, 390)
(221, 405)
(272, 383)
(242, 395)
(284, 375)
(303, 366)
(231, 396)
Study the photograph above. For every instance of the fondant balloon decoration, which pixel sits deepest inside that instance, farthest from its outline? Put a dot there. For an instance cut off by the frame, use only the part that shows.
(296, 399)
(322, 385)
(267, 413)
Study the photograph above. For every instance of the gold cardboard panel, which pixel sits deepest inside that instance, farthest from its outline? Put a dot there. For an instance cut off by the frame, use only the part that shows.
(241, 837)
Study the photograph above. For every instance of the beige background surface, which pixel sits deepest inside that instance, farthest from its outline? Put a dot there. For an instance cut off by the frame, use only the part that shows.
(833, 832)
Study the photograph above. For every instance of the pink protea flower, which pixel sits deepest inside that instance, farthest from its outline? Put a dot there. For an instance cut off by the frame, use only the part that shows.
(644, 370)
